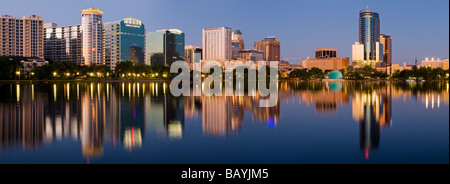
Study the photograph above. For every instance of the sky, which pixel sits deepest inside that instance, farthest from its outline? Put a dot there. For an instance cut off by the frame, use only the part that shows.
(419, 28)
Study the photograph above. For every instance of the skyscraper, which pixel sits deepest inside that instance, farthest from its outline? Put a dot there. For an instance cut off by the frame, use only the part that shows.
(217, 44)
(63, 43)
(369, 37)
(237, 43)
(270, 46)
(164, 47)
(92, 35)
(386, 41)
(124, 41)
(22, 37)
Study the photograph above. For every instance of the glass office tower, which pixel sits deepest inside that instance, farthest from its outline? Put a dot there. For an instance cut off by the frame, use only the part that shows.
(369, 33)
(124, 41)
(164, 47)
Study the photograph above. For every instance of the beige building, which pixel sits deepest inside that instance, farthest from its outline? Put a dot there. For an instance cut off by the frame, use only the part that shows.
(217, 44)
(22, 37)
(92, 36)
(326, 64)
(250, 55)
(270, 46)
(435, 63)
(326, 60)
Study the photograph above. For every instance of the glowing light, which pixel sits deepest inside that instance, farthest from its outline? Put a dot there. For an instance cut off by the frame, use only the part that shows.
(32, 73)
(54, 73)
(68, 74)
(18, 92)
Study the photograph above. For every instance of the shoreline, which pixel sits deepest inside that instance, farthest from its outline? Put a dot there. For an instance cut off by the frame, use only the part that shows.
(92, 80)
(168, 80)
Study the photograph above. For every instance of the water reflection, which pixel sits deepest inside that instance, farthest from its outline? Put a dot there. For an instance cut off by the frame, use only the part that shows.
(125, 113)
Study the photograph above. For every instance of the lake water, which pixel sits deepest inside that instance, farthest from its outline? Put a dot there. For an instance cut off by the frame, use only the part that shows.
(314, 122)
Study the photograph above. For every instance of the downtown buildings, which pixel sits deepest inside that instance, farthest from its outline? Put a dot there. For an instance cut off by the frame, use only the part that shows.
(369, 50)
(63, 43)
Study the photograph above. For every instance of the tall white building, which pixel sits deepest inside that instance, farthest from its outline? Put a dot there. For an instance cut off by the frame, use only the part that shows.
(217, 44)
(92, 35)
(359, 54)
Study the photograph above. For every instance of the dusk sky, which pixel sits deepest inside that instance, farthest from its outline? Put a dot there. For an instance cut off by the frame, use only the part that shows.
(418, 28)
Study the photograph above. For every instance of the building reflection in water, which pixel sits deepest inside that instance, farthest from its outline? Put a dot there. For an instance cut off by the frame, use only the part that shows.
(373, 109)
(123, 114)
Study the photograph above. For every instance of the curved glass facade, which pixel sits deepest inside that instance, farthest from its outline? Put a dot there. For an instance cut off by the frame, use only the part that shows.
(369, 32)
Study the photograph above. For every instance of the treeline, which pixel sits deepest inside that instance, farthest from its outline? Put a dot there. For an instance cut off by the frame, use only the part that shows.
(13, 70)
(8, 69)
(347, 73)
(424, 73)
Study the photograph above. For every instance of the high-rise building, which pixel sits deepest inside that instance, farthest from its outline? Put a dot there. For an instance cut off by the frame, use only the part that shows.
(270, 46)
(124, 41)
(369, 37)
(386, 41)
(63, 43)
(22, 37)
(92, 36)
(217, 44)
(164, 47)
(237, 43)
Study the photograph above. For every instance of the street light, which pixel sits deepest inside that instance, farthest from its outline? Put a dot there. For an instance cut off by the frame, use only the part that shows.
(54, 74)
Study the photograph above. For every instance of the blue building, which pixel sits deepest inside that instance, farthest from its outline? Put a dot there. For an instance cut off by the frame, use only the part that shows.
(124, 41)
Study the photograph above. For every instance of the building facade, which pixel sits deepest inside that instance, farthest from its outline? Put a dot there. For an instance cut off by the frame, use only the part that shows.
(326, 60)
(270, 46)
(63, 43)
(435, 63)
(164, 47)
(191, 54)
(22, 37)
(124, 41)
(217, 44)
(326, 63)
(386, 41)
(250, 55)
(323, 53)
(92, 36)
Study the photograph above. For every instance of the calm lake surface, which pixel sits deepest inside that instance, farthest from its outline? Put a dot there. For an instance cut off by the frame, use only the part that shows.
(314, 122)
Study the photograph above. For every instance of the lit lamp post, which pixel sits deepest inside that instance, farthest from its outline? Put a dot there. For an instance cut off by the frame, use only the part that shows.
(18, 74)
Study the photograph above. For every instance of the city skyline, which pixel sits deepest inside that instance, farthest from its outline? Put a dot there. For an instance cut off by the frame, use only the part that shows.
(423, 33)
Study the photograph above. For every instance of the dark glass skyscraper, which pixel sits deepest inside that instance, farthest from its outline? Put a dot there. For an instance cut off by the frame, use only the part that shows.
(164, 47)
(369, 33)
(124, 41)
